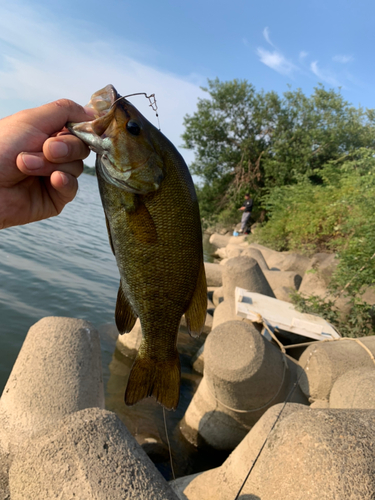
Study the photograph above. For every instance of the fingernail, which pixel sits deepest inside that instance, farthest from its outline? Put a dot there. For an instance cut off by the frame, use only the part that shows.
(32, 162)
(58, 149)
(64, 178)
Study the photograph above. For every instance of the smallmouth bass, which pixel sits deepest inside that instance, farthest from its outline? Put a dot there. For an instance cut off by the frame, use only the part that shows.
(154, 230)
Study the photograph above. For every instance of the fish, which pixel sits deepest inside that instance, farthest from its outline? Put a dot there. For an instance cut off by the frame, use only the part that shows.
(154, 230)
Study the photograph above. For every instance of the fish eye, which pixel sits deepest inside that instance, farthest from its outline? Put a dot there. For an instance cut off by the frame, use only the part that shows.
(133, 127)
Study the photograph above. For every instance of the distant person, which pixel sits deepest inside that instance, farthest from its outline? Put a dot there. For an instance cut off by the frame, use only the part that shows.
(40, 162)
(246, 208)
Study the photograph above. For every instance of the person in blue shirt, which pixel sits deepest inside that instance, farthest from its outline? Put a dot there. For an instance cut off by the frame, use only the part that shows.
(246, 209)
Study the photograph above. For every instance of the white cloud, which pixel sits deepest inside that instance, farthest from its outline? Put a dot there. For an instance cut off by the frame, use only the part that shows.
(324, 76)
(41, 61)
(266, 34)
(342, 59)
(303, 54)
(275, 60)
(245, 42)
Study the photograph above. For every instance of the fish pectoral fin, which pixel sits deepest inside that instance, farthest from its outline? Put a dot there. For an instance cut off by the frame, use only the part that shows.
(195, 314)
(160, 379)
(141, 224)
(124, 316)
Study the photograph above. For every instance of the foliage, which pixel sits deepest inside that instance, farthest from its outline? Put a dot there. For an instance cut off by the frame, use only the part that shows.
(89, 170)
(337, 216)
(246, 140)
(358, 323)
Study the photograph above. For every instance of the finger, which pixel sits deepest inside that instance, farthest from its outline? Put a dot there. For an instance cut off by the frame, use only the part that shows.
(63, 189)
(36, 164)
(52, 117)
(65, 148)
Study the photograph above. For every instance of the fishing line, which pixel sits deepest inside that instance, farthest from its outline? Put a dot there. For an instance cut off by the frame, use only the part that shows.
(169, 444)
(274, 424)
(152, 99)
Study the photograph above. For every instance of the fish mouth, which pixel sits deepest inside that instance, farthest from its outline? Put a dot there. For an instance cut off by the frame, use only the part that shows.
(92, 133)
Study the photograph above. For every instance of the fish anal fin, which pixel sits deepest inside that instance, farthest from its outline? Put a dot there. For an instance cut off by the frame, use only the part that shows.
(196, 313)
(124, 316)
(160, 379)
(141, 224)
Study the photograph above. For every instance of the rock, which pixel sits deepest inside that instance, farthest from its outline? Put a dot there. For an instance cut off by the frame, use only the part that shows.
(244, 375)
(304, 457)
(324, 362)
(58, 371)
(219, 240)
(218, 296)
(213, 274)
(90, 454)
(278, 279)
(354, 389)
(318, 275)
(255, 253)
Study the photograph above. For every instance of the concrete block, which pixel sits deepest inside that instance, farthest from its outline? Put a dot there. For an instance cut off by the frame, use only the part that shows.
(354, 389)
(89, 455)
(278, 279)
(218, 296)
(283, 293)
(58, 371)
(255, 253)
(244, 375)
(327, 361)
(219, 240)
(304, 457)
(213, 274)
(244, 272)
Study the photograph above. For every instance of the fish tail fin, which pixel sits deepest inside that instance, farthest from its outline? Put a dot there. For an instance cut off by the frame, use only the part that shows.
(160, 379)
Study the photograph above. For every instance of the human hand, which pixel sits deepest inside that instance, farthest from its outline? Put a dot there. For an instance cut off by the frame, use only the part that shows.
(39, 162)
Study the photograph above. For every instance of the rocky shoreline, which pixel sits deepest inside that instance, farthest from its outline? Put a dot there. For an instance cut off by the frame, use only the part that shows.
(303, 423)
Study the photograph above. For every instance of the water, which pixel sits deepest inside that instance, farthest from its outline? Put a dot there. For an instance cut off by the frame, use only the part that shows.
(64, 267)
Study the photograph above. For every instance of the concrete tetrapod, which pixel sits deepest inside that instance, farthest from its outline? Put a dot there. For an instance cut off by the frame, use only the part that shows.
(244, 375)
(312, 454)
(354, 389)
(58, 371)
(327, 361)
(89, 455)
(245, 273)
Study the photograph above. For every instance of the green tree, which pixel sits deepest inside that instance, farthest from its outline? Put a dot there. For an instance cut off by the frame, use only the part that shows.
(255, 141)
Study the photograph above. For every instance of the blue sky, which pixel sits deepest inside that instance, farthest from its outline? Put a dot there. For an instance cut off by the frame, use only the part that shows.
(71, 49)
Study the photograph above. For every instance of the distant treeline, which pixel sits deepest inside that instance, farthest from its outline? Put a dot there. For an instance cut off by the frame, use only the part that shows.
(89, 170)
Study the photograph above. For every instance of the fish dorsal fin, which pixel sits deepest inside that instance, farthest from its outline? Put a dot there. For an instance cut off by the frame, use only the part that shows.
(109, 234)
(124, 315)
(141, 224)
(195, 314)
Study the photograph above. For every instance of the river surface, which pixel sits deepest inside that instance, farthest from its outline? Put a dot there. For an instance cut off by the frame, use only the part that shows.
(63, 266)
